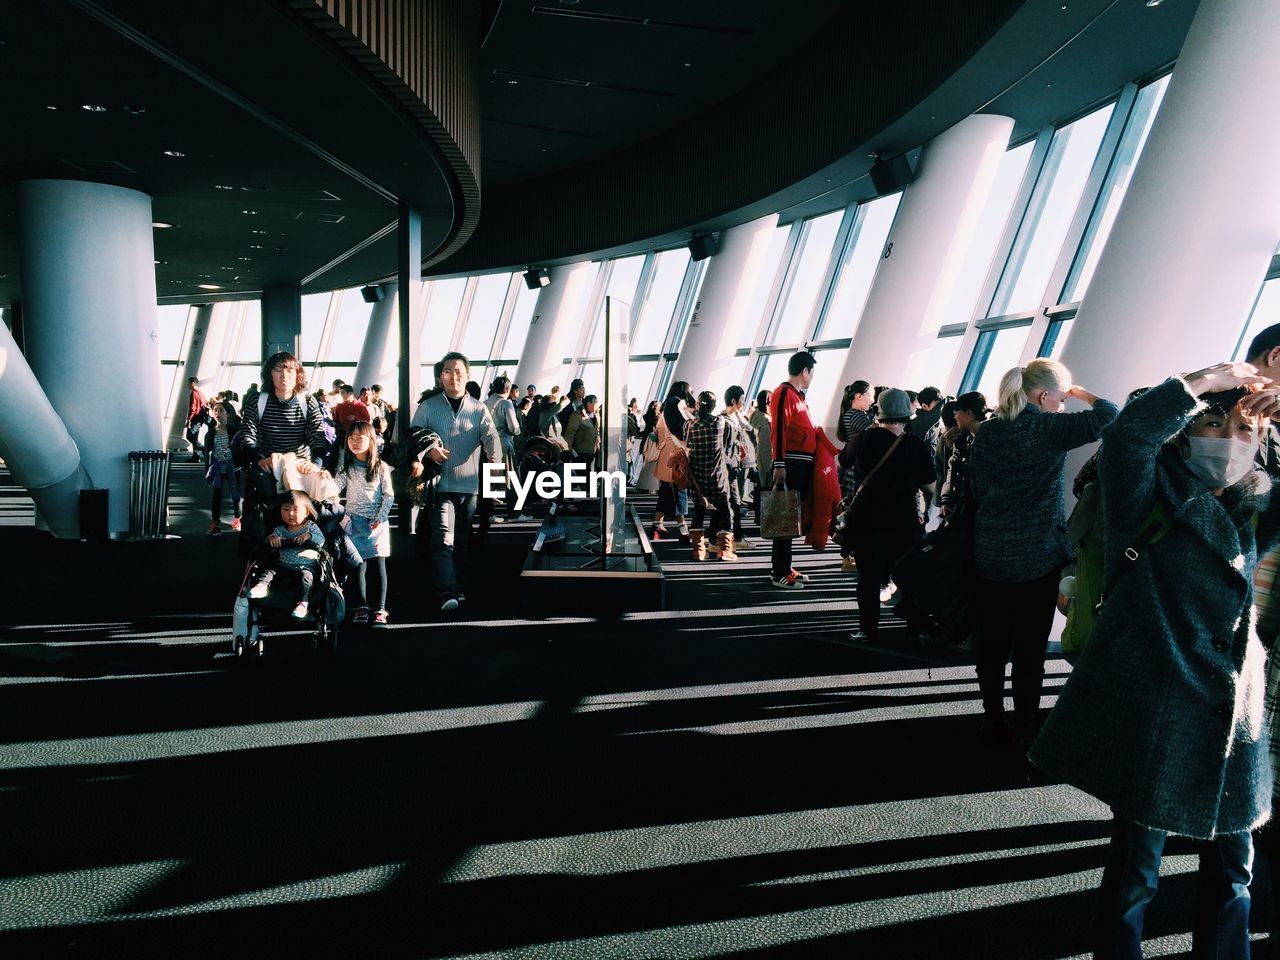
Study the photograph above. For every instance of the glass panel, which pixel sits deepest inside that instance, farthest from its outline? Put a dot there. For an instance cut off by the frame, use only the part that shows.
(250, 346)
(1265, 313)
(314, 308)
(442, 314)
(348, 332)
(655, 319)
(962, 306)
(325, 375)
(748, 321)
(169, 373)
(482, 322)
(241, 376)
(640, 379)
(518, 330)
(592, 378)
(826, 381)
(171, 325)
(1135, 138)
(934, 367)
(737, 374)
(1004, 356)
(859, 267)
(775, 371)
(1053, 205)
(622, 284)
(1060, 340)
(812, 258)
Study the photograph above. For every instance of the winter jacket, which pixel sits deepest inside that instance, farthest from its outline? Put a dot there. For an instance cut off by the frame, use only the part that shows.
(763, 427)
(669, 443)
(1162, 717)
(469, 435)
(793, 433)
(707, 460)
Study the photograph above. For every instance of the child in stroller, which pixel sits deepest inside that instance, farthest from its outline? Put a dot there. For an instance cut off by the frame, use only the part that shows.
(300, 567)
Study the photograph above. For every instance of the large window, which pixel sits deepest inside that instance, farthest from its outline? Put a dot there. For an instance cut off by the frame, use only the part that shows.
(862, 257)
(315, 307)
(248, 348)
(518, 329)
(809, 269)
(622, 286)
(1265, 313)
(761, 286)
(659, 304)
(442, 313)
(1135, 138)
(482, 321)
(1049, 214)
(349, 329)
(1005, 348)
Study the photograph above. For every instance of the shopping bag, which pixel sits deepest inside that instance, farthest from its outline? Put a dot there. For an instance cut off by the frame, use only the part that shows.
(780, 514)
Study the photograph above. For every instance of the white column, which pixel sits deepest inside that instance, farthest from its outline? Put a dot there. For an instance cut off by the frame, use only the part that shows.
(212, 326)
(926, 251)
(555, 321)
(373, 366)
(89, 304)
(1199, 223)
(707, 355)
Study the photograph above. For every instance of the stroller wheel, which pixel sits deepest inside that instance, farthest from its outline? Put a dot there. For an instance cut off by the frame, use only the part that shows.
(327, 641)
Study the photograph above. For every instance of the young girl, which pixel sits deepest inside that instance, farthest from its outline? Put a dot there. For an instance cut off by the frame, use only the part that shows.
(299, 541)
(222, 475)
(366, 480)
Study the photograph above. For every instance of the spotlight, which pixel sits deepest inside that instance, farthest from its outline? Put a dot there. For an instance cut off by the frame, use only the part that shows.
(372, 294)
(703, 246)
(536, 277)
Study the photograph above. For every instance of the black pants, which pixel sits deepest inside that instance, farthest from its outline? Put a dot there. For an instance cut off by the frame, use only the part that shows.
(1015, 617)
(359, 595)
(720, 514)
(799, 475)
(447, 525)
(215, 504)
(296, 583)
(737, 483)
(875, 556)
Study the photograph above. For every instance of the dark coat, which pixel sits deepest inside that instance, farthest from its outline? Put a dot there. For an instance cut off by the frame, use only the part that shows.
(1162, 717)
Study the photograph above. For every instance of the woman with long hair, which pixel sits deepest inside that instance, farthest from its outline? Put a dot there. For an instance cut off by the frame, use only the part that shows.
(710, 474)
(854, 419)
(1020, 536)
(676, 414)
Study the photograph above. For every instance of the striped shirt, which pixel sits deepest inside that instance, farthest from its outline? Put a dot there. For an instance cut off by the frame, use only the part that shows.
(295, 426)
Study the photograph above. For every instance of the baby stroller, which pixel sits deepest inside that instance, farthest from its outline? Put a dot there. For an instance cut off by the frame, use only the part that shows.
(539, 455)
(326, 604)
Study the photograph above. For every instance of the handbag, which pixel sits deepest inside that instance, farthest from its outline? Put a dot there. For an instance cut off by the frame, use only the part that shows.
(844, 526)
(678, 462)
(780, 514)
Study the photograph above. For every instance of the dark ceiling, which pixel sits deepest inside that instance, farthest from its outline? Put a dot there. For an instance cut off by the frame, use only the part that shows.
(631, 97)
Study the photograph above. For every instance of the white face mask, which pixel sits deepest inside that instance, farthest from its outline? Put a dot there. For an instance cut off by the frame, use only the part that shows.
(1219, 462)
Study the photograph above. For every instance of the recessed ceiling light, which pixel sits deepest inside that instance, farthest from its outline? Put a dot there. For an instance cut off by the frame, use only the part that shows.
(250, 213)
(51, 107)
(226, 268)
(205, 276)
(1154, 3)
(245, 259)
(513, 82)
(135, 110)
(162, 226)
(208, 286)
(93, 108)
(174, 153)
(688, 64)
(262, 232)
(255, 246)
(251, 188)
(161, 262)
(222, 186)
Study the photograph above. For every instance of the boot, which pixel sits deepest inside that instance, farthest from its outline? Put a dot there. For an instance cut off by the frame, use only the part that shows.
(725, 541)
(684, 529)
(699, 541)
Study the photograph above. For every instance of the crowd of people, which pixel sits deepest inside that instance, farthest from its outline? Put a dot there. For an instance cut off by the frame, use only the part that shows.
(1163, 716)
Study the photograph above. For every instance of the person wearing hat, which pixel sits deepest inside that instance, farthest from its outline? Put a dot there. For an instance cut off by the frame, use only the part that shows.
(889, 467)
(970, 410)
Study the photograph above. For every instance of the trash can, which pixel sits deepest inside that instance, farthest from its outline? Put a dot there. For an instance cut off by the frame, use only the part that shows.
(148, 494)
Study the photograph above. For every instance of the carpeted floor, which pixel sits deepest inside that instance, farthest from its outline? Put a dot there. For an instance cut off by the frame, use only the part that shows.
(729, 777)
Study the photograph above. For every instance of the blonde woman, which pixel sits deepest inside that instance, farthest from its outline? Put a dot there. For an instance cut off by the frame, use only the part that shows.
(1020, 535)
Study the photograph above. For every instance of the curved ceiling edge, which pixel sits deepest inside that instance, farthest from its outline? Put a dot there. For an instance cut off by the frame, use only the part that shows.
(425, 55)
(849, 83)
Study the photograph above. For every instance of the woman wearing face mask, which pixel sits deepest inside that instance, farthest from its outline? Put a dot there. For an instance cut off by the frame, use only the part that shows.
(1162, 717)
(1020, 531)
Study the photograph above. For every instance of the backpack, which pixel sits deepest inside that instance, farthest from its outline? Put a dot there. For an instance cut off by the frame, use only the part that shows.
(1086, 526)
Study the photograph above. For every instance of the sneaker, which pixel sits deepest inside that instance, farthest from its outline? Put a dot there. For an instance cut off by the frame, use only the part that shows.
(235, 524)
(361, 617)
(214, 530)
(524, 518)
(858, 636)
(847, 565)
(789, 582)
(743, 544)
(258, 591)
(300, 611)
(888, 592)
(380, 618)
(450, 604)
(802, 577)
(498, 519)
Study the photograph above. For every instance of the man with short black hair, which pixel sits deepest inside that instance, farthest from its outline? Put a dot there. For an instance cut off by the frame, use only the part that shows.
(577, 393)
(1264, 353)
(794, 443)
(349, 411)
(469, 438)
(583, 433)
(739, 454)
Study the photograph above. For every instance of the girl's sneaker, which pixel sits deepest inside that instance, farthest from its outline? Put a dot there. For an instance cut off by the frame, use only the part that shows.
(214, 530)
(361, 617)
(300, 611)
(380, 618)
(235, 524)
